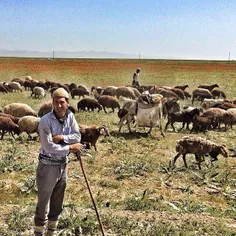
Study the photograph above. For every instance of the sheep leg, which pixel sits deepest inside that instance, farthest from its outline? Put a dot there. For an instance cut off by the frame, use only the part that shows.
(172, 125)
(167, 125)
(3, 132)
(104, 109)
(184, 159)
(175, 158)
(183, 124)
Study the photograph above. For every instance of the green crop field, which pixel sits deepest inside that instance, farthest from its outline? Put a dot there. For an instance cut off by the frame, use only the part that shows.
(136, 190)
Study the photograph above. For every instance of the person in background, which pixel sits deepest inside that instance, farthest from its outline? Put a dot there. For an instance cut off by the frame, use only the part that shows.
(135, 78)
(59, 135)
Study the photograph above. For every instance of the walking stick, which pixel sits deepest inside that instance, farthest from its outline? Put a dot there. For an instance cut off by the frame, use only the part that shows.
(78, 155)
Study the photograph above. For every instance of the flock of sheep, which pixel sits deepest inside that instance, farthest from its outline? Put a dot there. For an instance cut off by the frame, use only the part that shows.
(213, 111)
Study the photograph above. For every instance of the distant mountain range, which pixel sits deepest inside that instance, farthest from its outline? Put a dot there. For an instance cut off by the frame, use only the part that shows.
(66, 54)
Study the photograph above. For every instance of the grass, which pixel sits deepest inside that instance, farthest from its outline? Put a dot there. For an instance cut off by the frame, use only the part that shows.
(136, 189)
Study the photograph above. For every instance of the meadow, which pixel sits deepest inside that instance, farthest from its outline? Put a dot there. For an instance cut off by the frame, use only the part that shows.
(136, 189)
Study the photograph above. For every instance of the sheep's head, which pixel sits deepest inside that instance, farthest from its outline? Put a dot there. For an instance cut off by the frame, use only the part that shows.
(221, 149)
(103, 130)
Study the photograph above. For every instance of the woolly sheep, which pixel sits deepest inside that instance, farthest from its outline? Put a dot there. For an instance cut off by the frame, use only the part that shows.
(13, 118)
(200, 94)
(107, 101)
(3, 89)
(90, 134)
(218, 93)
(215, 112)
(79, 92)
(19, 110)
(182, 87)
(199, 147)
(125, 92)
(201, 123)
(163, 92)
(109, 90)
(19, 80)
(208, 86)
(38, 92)
(229, 118)
(29, 124)
(7, 125)
(15, 86)
(210, 102)
(87, 104)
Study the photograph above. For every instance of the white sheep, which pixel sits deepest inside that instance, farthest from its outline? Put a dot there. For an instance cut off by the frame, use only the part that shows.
(229, 118)
(29, 124)
(15, 86)
(211, 102)
(19, 110)
(38, 92)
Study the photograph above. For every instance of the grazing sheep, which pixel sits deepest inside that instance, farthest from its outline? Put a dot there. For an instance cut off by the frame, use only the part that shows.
(199, 147)
(215, 112)
(15, 86)
(125, 92)
(7, 125)
(136, 92)
(107, 101)
(187, 94)
(79, 92)
(185, 117)
(200, 94)
(229, 118)
(72, 86)
(13, 118)
(209, 87)
(209, 102)
(109, 90)
(38, 92)
(87, 104)
(202, 123)
(218, 93)
(90, 134)
(182, 87)
(3, 89)
(29, 124)
(163, 92)
(178, 92)
(81, 86)
(19, 110)
(225, 105)
(18, 80)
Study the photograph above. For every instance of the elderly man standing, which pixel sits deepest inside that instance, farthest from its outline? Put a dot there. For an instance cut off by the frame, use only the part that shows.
(59, 135)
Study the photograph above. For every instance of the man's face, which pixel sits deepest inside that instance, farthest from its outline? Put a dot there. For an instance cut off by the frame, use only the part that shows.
(60, 105)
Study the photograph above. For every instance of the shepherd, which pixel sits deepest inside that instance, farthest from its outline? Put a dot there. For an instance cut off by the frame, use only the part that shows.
(135, 78)
(59, 135)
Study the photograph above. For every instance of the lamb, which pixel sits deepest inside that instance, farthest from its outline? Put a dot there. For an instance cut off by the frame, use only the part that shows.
(19, 110)
(109, 102)
(79, 92)
(90, 134)
(29, 124)
(186, 117)
(200, 94)
(15, 86)
(209, 87)
(38, 92)
(199, 147)
(88, 104)
(218, 93)
(7, 125)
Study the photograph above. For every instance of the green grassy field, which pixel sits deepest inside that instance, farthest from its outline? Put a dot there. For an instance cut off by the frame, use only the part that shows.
(131, 172)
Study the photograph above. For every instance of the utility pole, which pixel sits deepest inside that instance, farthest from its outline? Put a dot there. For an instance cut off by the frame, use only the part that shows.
(53, 54)
(229, 57)
(139, 55)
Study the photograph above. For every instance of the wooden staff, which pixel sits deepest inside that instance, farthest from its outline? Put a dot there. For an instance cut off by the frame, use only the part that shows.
(78, 155)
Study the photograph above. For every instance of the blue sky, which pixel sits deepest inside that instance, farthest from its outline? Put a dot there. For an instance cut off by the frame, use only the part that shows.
(181, 29)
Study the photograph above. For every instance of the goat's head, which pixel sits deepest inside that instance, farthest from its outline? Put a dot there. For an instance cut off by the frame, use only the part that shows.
(103, 130)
